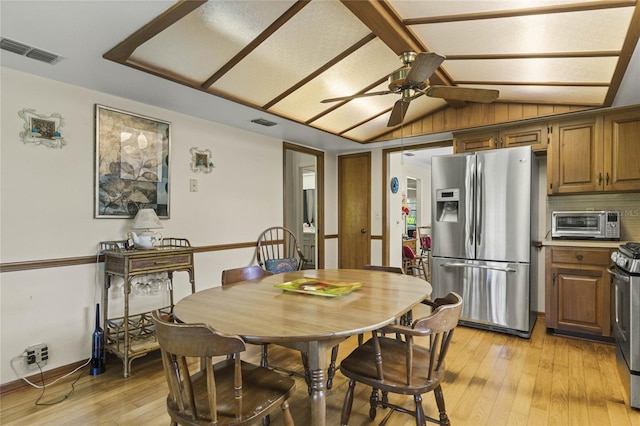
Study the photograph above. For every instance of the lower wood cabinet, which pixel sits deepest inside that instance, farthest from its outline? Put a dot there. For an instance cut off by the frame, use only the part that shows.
(578, 290)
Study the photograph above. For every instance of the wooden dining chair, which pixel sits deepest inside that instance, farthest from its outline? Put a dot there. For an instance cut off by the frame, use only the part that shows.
(403, 367)
(246, 273)
(278, 251)
(414, 264)
(229, 392)
(231, 276)
(392, 269)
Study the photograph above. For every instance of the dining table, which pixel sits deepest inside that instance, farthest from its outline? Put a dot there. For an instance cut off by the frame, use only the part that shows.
(304, 317)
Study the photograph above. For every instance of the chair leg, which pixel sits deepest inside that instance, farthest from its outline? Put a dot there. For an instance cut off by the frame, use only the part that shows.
(332, 367)
(373, 402)
(264, 361)
(444, 419)
(421, 420)
(348, 403)
(288, 419)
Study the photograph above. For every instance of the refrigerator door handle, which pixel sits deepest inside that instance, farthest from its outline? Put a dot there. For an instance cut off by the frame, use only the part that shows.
(470, 183)
(479, 202)
(471, 265)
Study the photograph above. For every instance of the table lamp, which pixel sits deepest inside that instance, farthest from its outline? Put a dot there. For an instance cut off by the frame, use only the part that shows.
(144, 222)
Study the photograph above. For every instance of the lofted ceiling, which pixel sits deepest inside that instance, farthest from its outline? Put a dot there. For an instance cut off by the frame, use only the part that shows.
(235, 61)
(285, 57)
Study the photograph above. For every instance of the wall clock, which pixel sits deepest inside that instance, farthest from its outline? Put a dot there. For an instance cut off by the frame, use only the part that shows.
(394, 184)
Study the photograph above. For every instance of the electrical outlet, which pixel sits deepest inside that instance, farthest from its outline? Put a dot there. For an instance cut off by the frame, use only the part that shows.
(193, 185)
(37, 354)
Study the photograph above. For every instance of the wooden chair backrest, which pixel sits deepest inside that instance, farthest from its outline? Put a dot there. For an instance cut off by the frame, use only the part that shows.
(439, 326)
(181, 341)
(253, 272)
(278, 242)
(393, 269)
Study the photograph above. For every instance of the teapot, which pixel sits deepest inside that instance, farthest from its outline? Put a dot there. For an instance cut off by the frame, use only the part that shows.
(146, 239)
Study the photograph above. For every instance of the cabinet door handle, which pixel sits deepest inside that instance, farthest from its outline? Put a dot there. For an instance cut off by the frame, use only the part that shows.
(579, 257)
(553, 280)
(607, 178)
(599, 179)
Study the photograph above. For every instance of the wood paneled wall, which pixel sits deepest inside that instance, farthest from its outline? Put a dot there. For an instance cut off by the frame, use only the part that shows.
(475, 115)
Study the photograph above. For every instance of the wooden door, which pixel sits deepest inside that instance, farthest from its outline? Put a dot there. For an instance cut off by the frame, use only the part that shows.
(622, 151)
(577, 156)
(354, 210)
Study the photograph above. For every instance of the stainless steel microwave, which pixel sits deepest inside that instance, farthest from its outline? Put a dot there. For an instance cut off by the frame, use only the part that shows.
(578, 225)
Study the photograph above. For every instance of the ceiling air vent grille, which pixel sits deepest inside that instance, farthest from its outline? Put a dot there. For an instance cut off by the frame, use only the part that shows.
(263, 122)
(29, 51)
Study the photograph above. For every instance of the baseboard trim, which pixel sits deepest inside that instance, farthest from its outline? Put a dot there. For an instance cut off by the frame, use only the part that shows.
(47, 376)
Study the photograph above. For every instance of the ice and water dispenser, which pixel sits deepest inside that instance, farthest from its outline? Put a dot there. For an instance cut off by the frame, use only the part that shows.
(447, 205)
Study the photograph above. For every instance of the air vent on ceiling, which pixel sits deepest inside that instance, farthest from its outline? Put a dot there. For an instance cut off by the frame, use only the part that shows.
(29, 51)
(263, 122)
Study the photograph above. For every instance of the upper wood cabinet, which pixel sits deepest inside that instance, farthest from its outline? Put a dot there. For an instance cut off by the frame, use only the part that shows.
(534, 135)
(595, 153)
(622, 151)
(576, 153)
(477, 141)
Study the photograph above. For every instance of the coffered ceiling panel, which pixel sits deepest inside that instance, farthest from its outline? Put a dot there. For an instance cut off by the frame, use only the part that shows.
(285, 57)
(344, 77)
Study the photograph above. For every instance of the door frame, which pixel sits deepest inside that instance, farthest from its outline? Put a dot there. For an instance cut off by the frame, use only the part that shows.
(386, 258)
(287, 146)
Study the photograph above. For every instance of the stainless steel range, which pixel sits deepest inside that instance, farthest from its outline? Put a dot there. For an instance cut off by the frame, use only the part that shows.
(626, 306)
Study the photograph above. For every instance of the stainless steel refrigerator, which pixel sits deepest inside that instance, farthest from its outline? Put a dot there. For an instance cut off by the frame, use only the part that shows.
(484, 219)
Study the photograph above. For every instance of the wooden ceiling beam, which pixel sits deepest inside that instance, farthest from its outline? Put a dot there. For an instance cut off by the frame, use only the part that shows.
(388, 27)
(628, 47)
(383, 24)
(125, 48)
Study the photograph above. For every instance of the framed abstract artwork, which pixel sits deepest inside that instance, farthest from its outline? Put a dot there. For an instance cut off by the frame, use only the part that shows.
(132, 164)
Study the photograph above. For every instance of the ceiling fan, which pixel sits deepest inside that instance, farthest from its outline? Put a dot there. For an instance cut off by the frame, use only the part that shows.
(411, 81)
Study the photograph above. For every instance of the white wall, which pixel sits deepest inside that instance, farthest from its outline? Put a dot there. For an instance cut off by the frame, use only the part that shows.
(46, 212)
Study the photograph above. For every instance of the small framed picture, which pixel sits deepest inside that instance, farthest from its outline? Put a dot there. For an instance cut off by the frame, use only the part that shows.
(201, 160)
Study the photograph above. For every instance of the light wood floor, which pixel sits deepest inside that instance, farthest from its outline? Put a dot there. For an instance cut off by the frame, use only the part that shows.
(492, 379)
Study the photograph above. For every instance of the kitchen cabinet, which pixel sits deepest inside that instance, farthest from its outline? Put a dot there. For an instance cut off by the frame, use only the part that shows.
(621, 151)
(577, 290)
(577, 156)
(534, 135)
(595, 154)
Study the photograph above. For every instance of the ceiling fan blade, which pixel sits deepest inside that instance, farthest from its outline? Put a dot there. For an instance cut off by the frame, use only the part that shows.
(360, 95)
(463, 94)
(398, 112)
(424, 65)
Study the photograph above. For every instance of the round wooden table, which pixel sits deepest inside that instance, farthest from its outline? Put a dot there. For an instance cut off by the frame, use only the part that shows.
(261, 313)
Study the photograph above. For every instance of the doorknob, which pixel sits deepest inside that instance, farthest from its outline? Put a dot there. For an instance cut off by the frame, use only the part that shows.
(363, 231)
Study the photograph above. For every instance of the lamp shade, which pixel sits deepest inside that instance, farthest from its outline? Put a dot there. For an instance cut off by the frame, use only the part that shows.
(146, 219)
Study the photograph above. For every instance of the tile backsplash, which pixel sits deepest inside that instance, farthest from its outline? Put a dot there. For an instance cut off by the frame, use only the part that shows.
(627, 203)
